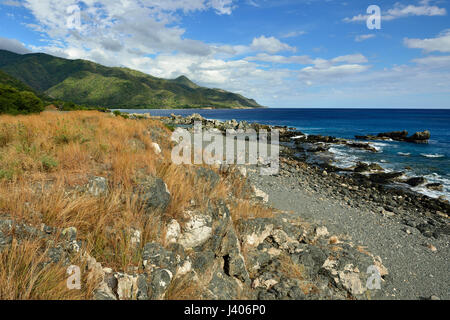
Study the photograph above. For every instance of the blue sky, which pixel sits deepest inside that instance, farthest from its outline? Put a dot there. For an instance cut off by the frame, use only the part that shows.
(283, 53)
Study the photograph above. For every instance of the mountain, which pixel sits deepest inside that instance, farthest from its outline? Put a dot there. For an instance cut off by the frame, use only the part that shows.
(89, 83)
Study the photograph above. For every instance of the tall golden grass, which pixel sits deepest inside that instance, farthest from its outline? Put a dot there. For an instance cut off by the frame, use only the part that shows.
(46, 158)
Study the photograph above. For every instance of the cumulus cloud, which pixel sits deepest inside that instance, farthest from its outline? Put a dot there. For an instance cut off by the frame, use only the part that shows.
(440, 43)
(270, 45)
(13, 45)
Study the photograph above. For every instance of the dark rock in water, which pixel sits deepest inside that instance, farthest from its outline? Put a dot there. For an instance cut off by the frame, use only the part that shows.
(319, 148)
(153, 194)
(363, 146)
(435, 186)
(317, 138)
(365, 167)
(385, 177)
(286, 136)
(394, 135)
(420, 137)
(416, 181)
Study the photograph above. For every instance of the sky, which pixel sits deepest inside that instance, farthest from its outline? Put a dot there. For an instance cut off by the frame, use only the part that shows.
(282, 53)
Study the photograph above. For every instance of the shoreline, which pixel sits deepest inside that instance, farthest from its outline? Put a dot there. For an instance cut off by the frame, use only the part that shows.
(410, 231)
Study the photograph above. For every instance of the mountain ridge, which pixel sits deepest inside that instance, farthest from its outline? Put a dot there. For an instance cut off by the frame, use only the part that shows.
(86, 82)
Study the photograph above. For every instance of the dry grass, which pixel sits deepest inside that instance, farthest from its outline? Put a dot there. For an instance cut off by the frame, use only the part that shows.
(247, 210)
(24, 275)
(184, 288)
(45, 158)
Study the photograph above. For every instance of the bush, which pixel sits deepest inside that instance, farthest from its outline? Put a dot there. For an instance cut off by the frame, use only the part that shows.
(13, 101)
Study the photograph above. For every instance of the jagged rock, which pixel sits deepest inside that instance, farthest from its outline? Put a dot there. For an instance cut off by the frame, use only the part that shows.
(160, 281)
(363, 146)
(311, 258)
(416, 181)
(385, 177)
(156, 256)
(435, 186)
(420, 137)
(196, 231)
(354, 271)
(367, 167)
(153, 194)
(173, 231)
(127, 287)
(394, 135)
(97, 186)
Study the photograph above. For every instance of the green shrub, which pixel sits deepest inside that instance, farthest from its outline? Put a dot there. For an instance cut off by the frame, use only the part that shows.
(48, 163)
(13, 101)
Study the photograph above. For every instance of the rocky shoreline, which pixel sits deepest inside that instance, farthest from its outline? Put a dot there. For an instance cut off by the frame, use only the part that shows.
(258, 239)
(365, 182)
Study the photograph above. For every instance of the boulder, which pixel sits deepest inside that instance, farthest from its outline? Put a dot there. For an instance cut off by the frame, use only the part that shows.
(416, 181)
(420, 137)
(153, 194)
(385, 177)
(196, 231)
(367, 167)
(363, 146)
(435, 186)
(394, 135)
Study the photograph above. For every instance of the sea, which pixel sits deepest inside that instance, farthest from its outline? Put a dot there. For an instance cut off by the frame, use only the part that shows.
(431, 160)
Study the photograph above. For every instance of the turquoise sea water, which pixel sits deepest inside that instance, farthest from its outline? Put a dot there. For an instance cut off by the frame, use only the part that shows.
(431, 160)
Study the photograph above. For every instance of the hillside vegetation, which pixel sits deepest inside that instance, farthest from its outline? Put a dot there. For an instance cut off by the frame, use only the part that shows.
(16, 97)
(88, 83)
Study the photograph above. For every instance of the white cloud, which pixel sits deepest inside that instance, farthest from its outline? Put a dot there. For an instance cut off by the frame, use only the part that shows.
(351, 58)
(264, 57)
(440, 43)
(364, 37)
(270, 45)
(434, 61)
(13, 45)
(293, 34)
(401, 11)
(12, 3)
